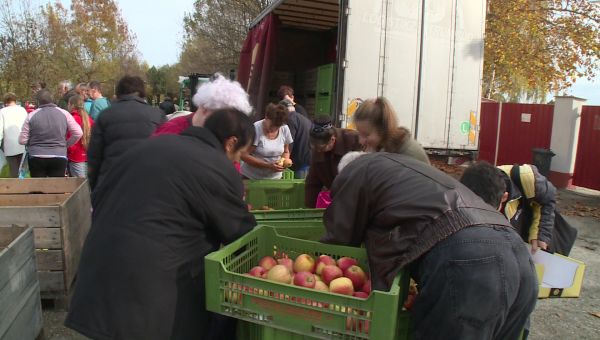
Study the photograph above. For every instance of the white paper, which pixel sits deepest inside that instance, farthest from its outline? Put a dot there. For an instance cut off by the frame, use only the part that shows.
(559, 272)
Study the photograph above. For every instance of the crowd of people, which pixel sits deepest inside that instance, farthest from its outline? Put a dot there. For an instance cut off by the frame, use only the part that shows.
(167, 193)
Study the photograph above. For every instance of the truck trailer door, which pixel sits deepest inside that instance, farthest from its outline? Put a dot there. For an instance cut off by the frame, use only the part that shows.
(360, 55)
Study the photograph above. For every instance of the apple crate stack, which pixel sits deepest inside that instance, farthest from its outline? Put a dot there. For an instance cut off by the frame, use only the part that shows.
(59, 211)
(285, 287)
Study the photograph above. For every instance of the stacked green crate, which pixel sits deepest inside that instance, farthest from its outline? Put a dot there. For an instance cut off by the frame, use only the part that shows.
(275, 194)
(325, 88)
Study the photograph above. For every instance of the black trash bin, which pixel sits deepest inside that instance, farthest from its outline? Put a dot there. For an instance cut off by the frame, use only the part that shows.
(542, 159)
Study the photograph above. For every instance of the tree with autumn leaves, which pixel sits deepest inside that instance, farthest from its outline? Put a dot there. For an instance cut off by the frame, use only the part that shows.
(537, 47)
(88, 41)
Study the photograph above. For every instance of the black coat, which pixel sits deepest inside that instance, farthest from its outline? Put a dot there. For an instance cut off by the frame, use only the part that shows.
(300, 151)
(141, 274)
(400, 208)
(122, 125)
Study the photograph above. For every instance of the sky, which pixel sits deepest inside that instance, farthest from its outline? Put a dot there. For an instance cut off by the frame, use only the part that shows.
(158, 26)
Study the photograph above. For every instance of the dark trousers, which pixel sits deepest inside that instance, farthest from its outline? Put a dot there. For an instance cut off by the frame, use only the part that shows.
(13, 164)
(479, 283)
(47, 167)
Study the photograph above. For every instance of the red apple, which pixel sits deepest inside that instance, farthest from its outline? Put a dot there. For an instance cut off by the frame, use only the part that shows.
(322, 261)
(267, 262)
(356, 275)
(257, 271)
(331, 273)
(367, 287)
(304, 279)
(320, 285)
(304, 263)
(279, 273)
(345, 262)
(361, 295)
(341, 285)
(287, 262)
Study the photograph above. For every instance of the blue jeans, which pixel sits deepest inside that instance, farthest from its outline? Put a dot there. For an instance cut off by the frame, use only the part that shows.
(301, 173)
(78, 169)
(479, 283)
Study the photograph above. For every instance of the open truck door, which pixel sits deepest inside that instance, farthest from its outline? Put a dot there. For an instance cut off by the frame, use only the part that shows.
(425, 57)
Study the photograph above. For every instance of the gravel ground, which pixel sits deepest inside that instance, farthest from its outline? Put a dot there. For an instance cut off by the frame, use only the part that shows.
(571, 318)
(553, 319)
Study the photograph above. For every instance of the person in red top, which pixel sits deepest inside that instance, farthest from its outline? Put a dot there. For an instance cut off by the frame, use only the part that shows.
(77, 153)
(220, 93)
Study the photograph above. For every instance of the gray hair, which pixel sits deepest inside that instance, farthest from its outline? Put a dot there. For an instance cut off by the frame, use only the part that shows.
(348, 158)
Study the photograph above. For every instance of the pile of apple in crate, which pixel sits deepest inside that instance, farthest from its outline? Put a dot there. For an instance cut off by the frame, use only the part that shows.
(303, 288)
(325, 274)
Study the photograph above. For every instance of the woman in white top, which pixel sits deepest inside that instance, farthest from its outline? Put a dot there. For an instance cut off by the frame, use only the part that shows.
(271, 143)
(12, 117)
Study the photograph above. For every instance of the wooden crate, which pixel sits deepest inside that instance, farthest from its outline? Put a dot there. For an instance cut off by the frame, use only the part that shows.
(20, 306)
(59, 211)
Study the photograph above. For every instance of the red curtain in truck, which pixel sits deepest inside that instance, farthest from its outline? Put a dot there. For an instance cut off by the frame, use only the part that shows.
(257, 61)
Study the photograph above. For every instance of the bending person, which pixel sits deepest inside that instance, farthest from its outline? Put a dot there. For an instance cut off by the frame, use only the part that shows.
(475, 275)
(141, 274)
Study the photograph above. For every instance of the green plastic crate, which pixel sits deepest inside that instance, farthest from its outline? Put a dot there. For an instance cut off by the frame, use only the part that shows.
(296, 309)
(311, 230)
(250, 331)
(288, 214)
(287, 174)
(276, 194)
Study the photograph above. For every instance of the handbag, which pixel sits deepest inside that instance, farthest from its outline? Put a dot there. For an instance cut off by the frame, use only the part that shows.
(323, 199)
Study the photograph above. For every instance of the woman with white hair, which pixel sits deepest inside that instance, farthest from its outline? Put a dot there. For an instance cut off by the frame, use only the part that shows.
(220, 93)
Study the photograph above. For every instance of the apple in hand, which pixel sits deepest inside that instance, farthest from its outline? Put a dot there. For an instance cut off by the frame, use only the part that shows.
(341, 285)
(279, 273)
(304, 279)
(267, 262)
(304, 263)
(331, 273)
(356, 275)
(345, 262)
(322, 261)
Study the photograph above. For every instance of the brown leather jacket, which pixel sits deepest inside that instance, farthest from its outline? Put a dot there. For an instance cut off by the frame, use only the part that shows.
(400, 208)
(323, 167)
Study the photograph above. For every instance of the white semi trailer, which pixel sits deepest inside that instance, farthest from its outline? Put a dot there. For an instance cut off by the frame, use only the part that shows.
(425, 56)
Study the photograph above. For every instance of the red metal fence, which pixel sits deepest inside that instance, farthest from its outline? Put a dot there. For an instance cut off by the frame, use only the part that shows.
(488, 131)
(522, 128)
(587, 161)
